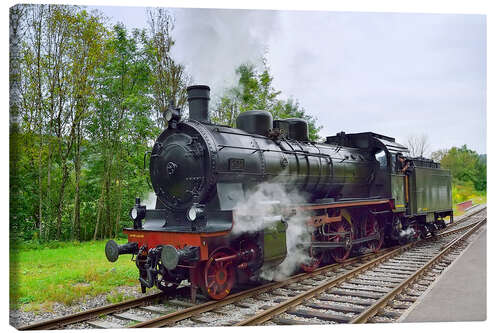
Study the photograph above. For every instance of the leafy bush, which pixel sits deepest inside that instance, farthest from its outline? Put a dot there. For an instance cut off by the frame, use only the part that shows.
(467, 167)
(463, 191)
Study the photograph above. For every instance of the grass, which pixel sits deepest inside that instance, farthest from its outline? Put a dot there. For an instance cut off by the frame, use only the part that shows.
(465, 191)
(66, 273)
(117, 297)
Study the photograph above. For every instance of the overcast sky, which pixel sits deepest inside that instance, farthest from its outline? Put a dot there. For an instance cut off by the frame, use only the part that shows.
(394, 74)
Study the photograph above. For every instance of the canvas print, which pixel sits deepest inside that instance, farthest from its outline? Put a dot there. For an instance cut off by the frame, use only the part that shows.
(187, 167)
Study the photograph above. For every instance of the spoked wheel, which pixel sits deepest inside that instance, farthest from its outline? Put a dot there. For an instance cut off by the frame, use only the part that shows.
(315, 257)
(340, 254)
(219, 277)
(372, 227)
(418, 233)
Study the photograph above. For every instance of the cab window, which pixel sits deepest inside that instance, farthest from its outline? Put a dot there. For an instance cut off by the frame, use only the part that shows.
(382, 159)
(394, 163)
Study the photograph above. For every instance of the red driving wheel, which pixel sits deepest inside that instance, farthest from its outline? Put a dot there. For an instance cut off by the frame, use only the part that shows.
(315, 257)
(372, 227)
(340, 254)
(219, 276)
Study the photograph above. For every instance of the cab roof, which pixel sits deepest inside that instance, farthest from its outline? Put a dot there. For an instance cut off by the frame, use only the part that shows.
(368, 141)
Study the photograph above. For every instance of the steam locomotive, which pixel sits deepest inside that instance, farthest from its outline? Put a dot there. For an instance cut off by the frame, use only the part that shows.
(353, 199)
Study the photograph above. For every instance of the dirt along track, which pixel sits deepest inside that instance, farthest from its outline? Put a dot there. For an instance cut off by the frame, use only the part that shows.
(371, 288)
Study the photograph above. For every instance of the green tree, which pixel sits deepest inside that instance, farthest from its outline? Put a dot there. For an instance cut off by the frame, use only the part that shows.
(291, 109)
(88, 54)
(82, 123)
(31, 110)
(256, 92)
(169, 79)
(121, 126)
(465, 166)
(56, 86)
(17, 15)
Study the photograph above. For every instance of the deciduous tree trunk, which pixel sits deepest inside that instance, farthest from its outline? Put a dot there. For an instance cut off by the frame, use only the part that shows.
(61, 200)
(76, 217)
(99, 211)
(119, 210)
(48, 199)
(40, 119)
(40, 188)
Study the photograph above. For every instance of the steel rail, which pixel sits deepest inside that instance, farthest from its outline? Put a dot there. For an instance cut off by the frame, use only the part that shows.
(112, 308)
(462, 228)
(266, 315)
(382, 302)
(466, 217)
(171, 318)
(89, 314)
(197, 309)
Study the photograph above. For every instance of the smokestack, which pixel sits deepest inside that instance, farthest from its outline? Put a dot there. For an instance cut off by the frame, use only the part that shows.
(198, 97)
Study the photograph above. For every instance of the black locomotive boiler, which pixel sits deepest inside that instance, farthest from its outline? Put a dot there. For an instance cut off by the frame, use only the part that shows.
(353, 198)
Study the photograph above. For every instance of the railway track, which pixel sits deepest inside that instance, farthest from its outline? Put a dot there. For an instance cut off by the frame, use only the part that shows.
(153, 303)
(373, 287)
(91, 314)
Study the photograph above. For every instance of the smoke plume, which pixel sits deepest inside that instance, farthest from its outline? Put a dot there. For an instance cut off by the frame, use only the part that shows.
(260, 210)
(409, 232)
(212, 43)
(150, 200)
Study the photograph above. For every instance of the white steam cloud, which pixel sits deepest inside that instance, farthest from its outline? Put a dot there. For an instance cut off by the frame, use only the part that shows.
(212, 43)
(260, 210)
(296, 235)
(407, 232)
(150, 201)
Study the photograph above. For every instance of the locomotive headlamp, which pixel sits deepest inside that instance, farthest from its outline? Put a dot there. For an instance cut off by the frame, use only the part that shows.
(133, 213)
(194, 212)
(137, 213)
(172, 113)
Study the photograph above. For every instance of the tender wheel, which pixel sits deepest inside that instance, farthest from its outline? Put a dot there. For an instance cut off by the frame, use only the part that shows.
(315, 256)
(441, 224)
(372, 227)
(340, 254)
(219, 277)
